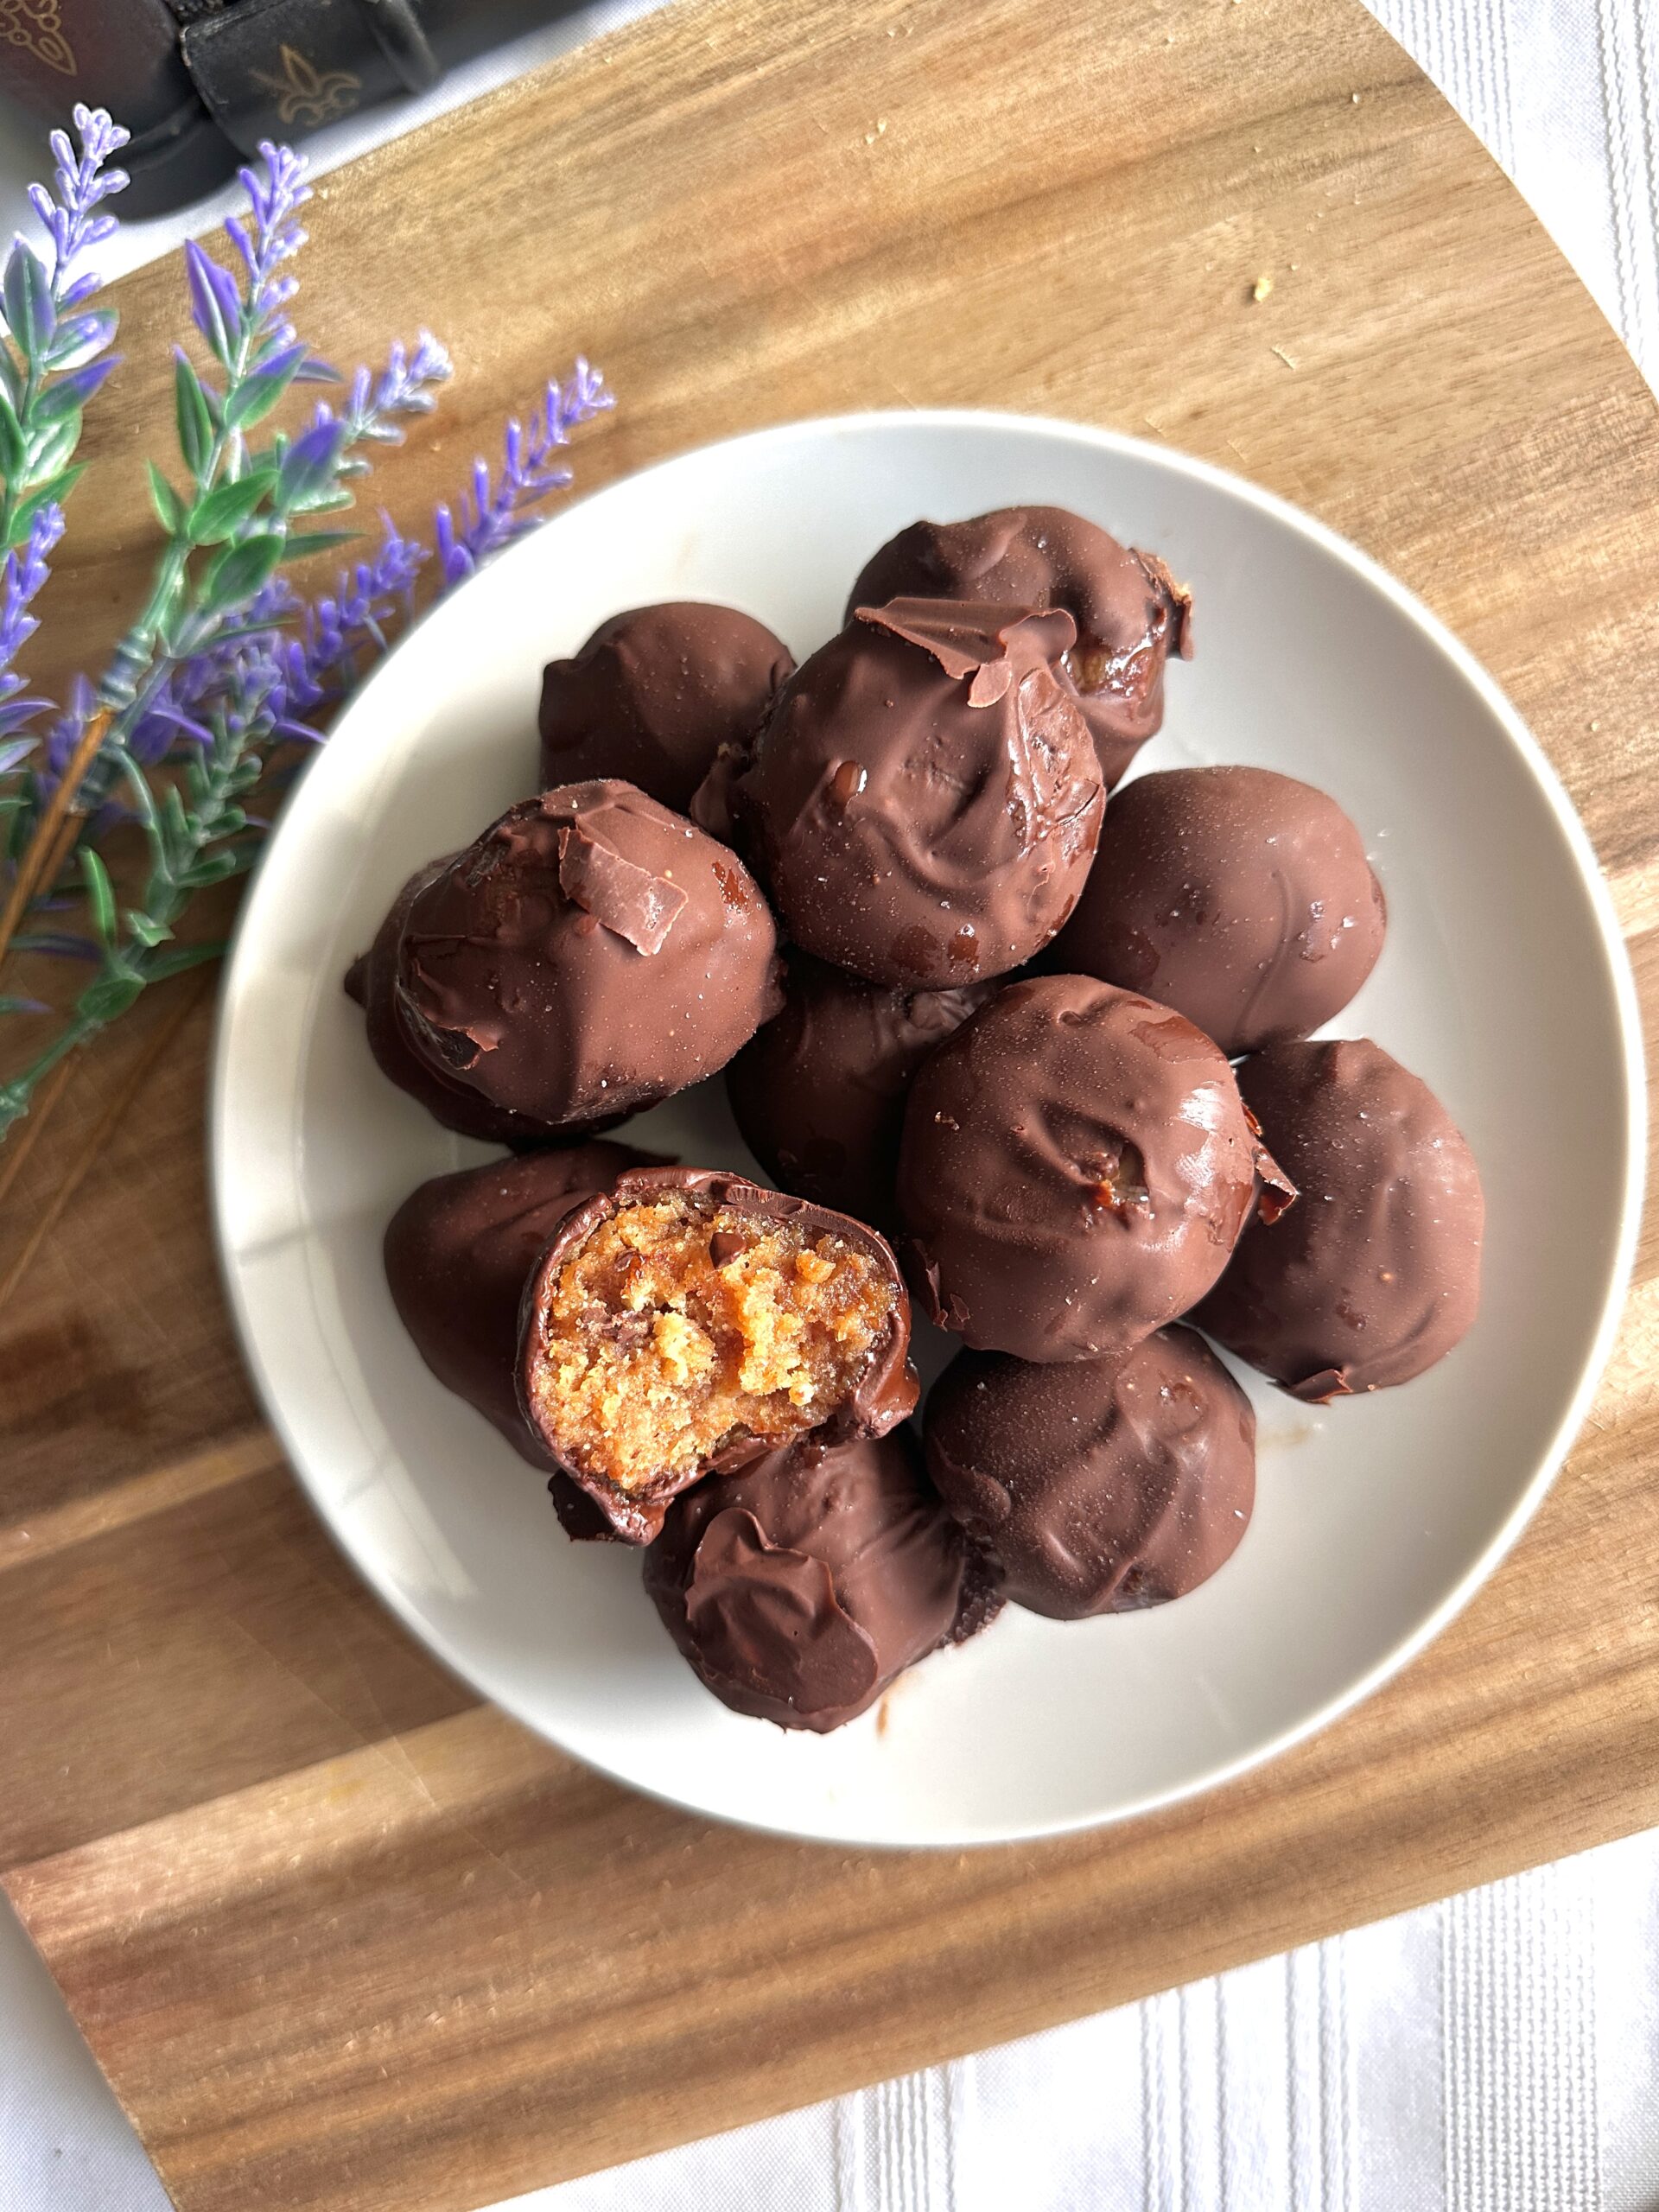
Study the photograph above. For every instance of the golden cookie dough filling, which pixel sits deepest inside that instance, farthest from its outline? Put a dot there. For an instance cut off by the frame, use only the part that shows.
(677, 1329)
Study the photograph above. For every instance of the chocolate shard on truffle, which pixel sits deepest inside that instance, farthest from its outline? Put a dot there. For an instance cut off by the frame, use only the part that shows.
(590, 954)
(801, 1587)
(458, 1254)
(371, 980)
(1076, 1166)
(925, 801)
(1240, 897)
(819, 1093)
(1375, 1274)
(654, 693)
(685, 1322)
(1100, 1486)
(1130, 613)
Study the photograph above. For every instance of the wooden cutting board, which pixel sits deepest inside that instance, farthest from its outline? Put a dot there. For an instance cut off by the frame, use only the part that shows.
(341, 1937)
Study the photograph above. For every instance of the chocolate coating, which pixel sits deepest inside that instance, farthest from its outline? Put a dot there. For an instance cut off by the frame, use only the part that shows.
(925, 801)
(1130, 613)
(654, 693)
(590, 954)
(884, 1395)
(1240, 897)
(799, 1589)
(372, 981)
(458, 1254)
(1076, 1167)
(1101, 1486)
(1373, 1275)
(819, 1093)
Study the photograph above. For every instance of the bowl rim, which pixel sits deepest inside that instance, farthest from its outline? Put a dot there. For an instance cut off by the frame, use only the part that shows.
(1633, 1103)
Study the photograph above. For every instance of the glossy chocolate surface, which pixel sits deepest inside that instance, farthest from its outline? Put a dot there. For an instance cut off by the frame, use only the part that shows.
(1240, 897)
(653, 695)
(1075, 1169)
(819, 1093)
(799, 1588)
(1373, 1275)
(458, 1254)
(1100, 1486)
(1130, 613)
(589, 954)
(925, 801)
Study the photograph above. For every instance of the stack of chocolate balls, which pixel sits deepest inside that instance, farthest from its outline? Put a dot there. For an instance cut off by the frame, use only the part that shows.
(1037, 1059)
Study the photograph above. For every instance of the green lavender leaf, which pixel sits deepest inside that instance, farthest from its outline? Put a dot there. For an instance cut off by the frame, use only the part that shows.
(26, 291)
(12, 451)
(301, 542)
(53, 451)
(195, 422)
(227, 507)
(146, 929)
(170, 508)
(110, 996)
(59, 488)
(212, 867)
(100, 897)
(242, 570)
(251, 400)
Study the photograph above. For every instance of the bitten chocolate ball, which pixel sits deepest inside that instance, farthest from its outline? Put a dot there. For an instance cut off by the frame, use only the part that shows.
(925, 801)
(1373, 1275)
(371, 980)
(683, 1322)
(799, 1589)
(819, 1093)
(458, 1254)
(1240, 897)
(1101, 1486)
(1130, 613)
(654, 693)
(1076, 1166)
(590, 954)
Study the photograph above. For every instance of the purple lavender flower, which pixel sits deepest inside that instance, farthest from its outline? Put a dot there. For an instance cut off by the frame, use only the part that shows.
(491, 517)
(273, 198)
(71, 220)
(403, 387)
(24, 572)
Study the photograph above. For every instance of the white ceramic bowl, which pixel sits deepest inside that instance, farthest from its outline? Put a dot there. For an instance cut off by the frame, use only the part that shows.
(1503, 984)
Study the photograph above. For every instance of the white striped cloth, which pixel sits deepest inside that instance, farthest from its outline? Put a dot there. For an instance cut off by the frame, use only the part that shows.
(1497, 2053)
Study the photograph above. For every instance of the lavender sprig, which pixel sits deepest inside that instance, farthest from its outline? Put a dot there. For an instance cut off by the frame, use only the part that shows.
(491, 517)
(53, 365)
(226, 663)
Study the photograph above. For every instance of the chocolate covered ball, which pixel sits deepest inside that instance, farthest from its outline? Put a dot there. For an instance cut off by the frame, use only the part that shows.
(683, 1322)
(1101, 1486)
(458, 1254)
(1373, 1275)
(924, 802)
(590, 954)
(654, 693)
(372, 981)
(1240, 897)
(1076, 1167)
(1130, 613)
(819, 1093)
(799, 1589)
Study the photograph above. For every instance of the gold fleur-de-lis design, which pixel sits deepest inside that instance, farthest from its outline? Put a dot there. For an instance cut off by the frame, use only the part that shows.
(306, 94)
(38, 25)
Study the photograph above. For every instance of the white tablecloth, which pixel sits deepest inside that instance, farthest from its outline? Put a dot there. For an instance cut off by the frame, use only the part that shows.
(1497, 2053)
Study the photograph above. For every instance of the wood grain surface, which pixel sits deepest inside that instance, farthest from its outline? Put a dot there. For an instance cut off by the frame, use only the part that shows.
(344, 1939)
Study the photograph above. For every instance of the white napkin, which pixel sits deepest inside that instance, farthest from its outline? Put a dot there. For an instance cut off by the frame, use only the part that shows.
(1497, 2053)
